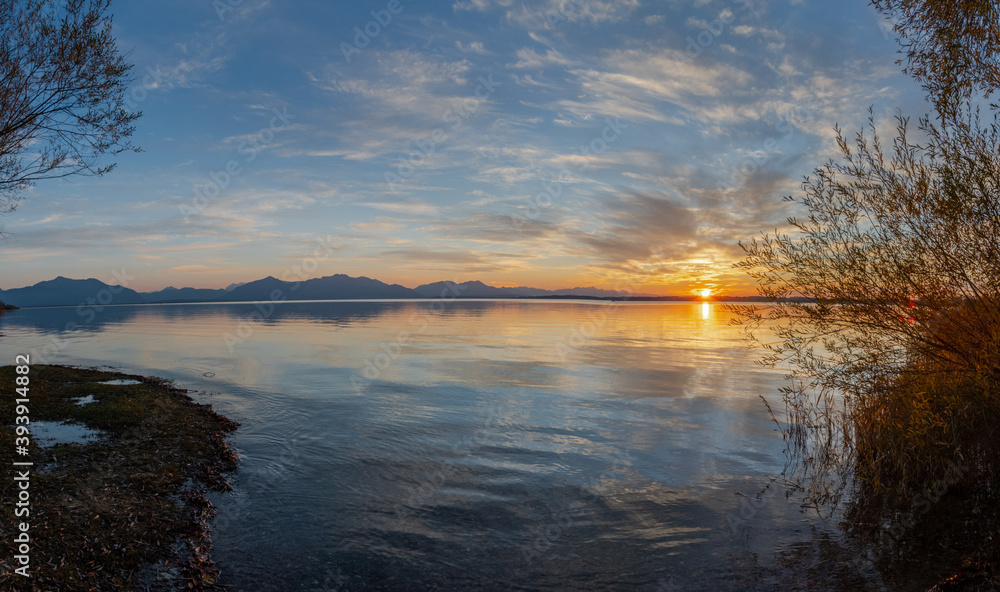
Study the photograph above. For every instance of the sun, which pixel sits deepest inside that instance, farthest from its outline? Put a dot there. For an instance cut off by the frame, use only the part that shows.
(705, 293)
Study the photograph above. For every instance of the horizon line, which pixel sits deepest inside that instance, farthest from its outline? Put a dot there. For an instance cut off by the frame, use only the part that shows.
(624, 293)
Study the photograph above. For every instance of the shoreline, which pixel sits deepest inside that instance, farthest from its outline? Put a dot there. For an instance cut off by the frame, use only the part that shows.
(120, 465)
(536, 299)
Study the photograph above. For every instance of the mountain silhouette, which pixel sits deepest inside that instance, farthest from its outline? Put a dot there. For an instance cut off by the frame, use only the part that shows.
(334, 287)
(172, 294)
(477, 289)
(63, 291)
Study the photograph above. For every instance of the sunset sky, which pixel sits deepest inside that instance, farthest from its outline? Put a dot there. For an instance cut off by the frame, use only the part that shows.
(553, 143)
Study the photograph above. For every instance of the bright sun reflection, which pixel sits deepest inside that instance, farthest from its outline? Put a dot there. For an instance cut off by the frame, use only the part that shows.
(706, 310)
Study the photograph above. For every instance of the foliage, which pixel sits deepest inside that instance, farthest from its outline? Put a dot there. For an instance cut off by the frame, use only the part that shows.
(952, 47)
(895, 363)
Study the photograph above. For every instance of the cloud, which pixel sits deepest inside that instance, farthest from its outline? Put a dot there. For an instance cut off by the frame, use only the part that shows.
(190, 71)
(652, 85)
(528, 58)
(550, 13)
(749, 31)
(454, 260)
(473, 47)
(400, 102)
(642, 226)
(46, 220)
(497, 228)
(713, 140)
(375, 226)
(412, 207)
(200, 269)
(402, 79)
(17, 255)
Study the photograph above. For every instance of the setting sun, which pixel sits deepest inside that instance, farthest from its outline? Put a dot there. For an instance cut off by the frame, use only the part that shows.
(706, 293)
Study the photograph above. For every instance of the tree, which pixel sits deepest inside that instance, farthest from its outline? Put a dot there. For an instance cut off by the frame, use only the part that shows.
(951, 46)
(895, 361)
(918, 226)
(62, 87)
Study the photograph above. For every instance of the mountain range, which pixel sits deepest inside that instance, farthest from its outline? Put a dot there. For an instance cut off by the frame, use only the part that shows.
(63, 291)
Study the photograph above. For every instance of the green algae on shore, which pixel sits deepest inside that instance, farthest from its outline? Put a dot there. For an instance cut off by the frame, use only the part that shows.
(120, 504)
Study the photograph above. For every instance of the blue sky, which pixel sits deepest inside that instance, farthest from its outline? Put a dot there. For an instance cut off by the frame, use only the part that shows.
(553, 143)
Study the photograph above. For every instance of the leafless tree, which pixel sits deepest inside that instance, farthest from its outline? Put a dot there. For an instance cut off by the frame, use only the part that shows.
(62, 87)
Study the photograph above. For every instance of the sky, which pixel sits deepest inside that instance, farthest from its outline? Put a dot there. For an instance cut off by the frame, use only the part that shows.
(553, 143)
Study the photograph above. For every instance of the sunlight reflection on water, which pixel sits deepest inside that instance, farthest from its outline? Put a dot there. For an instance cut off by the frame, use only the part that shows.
(477, 445)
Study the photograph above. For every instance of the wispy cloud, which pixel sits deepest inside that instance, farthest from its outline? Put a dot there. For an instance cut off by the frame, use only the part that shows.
(548, 13)
(528, 179)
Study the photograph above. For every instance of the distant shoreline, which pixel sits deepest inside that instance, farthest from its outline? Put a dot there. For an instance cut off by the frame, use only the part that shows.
(666, 299)
(93, 293)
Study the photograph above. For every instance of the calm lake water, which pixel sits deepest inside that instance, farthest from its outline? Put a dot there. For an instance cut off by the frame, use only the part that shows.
(477, 445)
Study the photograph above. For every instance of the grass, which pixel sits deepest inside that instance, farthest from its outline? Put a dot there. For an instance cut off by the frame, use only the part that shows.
(940, 413)
(127, 511)
(914, 448)
(915, 433)
(926, 458)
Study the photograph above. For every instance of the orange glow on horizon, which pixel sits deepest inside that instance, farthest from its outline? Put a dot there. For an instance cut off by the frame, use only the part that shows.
(680, 284)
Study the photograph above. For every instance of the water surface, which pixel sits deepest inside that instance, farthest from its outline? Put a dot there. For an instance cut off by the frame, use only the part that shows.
(487, 445)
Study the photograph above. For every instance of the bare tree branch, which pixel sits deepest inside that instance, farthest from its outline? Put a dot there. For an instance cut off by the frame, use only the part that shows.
(62, 87)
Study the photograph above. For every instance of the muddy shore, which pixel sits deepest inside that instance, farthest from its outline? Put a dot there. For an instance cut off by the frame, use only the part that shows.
(115, 491)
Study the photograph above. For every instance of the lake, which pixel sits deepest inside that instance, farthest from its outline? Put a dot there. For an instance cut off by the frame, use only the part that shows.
(477, 445)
